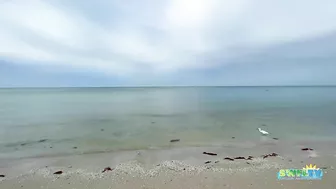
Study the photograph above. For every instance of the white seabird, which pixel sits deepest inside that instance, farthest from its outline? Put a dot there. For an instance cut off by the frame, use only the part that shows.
(263, 132)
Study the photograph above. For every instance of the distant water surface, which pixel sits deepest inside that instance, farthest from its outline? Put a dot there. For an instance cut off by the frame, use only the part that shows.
(83, 120)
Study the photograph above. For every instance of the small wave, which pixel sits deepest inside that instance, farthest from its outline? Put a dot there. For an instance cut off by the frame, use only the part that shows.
(136, 169)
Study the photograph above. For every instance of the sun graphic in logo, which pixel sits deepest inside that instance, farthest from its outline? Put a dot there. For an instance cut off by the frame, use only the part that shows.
(311, 167)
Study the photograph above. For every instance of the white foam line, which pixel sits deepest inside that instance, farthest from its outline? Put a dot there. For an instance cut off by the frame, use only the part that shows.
(135, 169)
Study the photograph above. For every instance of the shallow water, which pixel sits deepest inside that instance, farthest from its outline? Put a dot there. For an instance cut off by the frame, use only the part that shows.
(99, 119)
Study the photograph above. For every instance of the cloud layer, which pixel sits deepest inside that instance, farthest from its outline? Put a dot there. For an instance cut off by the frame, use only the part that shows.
(124, 38)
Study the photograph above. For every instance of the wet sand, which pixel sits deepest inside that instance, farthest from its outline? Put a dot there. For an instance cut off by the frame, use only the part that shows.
(170, 168)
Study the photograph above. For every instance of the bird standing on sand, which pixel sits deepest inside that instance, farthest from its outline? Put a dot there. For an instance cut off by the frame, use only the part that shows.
(263, 132)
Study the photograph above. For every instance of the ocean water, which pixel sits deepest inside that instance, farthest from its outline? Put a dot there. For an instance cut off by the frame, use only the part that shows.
(89, 120)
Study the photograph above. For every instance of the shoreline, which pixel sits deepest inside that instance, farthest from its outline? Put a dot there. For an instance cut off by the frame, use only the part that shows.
(129, 174)
(184, 167)
(192, 156)
(324, 145)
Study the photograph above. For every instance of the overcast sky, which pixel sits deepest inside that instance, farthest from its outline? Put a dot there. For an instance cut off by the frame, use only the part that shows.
(167, 42)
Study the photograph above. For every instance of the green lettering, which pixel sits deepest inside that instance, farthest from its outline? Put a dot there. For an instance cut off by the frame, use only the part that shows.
(291, 173)
(304, 173)
(299, 172)
(282, 173)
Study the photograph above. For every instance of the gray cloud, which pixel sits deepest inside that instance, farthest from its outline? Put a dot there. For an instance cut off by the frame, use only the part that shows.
(164, 38)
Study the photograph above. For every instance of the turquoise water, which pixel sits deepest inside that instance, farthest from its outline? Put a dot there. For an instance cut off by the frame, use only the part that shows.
(99, 119)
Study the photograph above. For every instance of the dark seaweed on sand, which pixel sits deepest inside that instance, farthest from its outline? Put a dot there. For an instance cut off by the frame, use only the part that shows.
(230, 159)
(107, 169)
(210, 153)
(58, 172)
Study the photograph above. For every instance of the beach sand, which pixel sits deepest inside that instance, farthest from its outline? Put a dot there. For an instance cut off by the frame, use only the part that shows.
(166, 169)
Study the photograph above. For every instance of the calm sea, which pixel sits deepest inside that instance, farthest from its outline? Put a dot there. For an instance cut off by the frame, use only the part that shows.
(81, 120)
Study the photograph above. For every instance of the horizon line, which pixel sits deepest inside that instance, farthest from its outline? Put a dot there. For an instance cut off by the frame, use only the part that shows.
(172, 86)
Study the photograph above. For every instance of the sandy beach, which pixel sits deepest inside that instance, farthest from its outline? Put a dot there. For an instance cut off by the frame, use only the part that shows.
(166, 168)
